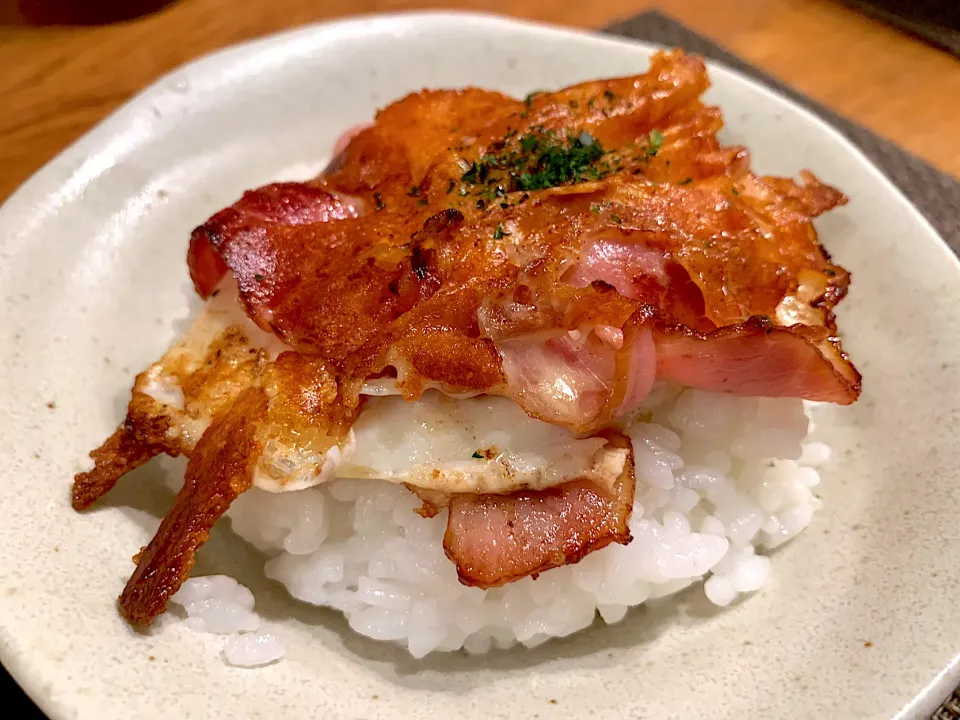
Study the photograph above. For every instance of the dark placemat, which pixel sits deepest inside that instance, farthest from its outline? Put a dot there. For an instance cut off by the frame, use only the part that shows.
(934, 21)
(935, 193)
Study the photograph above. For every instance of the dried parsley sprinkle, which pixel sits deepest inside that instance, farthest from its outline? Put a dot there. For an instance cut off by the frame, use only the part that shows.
(529, 98)
(685, 181)
(595, 208)
(258, 277)
(477, 455)
(538, 160)
(414, 191)
(609, 95)
(736, 192)
(471, 175)
(499, 232)
(574, 104)
(616, 219)
(654, 142)
(378, 200)
(421, 202)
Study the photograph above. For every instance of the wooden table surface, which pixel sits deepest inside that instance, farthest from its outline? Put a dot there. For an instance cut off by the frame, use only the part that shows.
(55, 83)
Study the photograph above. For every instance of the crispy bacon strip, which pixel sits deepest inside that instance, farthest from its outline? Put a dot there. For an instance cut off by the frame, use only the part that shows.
(452, 297)
(496, 539)
(221, 468)
(758, 358)
(280, 204)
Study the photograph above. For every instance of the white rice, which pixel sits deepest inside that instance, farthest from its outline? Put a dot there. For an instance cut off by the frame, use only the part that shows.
(720, 478)
(219, 604)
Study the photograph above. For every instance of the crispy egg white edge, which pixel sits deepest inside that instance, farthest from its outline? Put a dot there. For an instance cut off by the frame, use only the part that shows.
(456, 443)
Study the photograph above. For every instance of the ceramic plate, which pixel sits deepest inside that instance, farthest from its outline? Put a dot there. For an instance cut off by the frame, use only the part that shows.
(860, 618)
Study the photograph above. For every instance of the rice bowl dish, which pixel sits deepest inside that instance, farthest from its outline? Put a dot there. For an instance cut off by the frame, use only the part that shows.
(614, 421)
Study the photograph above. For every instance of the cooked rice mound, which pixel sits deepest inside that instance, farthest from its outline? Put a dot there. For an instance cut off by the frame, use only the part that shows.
(720, 479)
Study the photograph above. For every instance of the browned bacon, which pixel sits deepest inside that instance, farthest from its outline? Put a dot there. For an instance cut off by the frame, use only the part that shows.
(757, 358)
(412, 283)
(494, 539)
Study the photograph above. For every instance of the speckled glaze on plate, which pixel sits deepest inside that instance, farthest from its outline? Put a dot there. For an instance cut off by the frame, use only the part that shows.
(861, 618)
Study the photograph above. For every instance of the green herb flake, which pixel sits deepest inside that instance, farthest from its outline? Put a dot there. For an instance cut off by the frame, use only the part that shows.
(414, 191)
(477, 455)
(654, 142)
(470, 176)
(258, 277)
(499, 232)
(421, 202)
(595, 208)
(609, 95)
(616, 218)
(530, 96)
(378, 200)
(685, 181)
(574, 104)
(736, 192)
(537, 160)
(591, 102)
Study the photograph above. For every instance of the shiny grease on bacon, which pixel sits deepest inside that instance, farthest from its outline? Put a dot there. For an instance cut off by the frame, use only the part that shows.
(457, 258)
(563, 251)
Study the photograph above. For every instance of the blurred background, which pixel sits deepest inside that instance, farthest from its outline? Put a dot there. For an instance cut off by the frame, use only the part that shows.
(890, 65)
